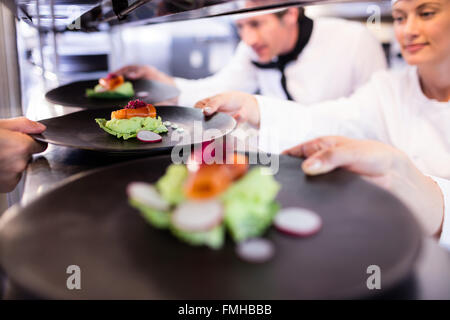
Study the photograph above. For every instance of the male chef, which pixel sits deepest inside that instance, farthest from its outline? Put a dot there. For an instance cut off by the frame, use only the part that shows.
(285, 54)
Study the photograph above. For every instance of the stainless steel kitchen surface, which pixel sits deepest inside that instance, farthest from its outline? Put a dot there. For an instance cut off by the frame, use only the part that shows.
(94, 14)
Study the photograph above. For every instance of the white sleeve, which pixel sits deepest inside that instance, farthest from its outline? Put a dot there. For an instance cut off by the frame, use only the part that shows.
(368, 57)
(284, 124)
(239, 74)
(444, 184)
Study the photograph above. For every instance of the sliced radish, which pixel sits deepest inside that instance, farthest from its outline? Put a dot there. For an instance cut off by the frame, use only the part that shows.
(142, 94)
(255, 250)
(148, 136)
(147, 195)
(298, 222)
(198, 215)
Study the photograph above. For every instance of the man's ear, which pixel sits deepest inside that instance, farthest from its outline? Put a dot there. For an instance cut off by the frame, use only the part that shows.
(291, 16)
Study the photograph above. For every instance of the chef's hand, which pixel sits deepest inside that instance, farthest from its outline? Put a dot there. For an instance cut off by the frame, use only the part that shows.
(242, 106)
(381, 164)
(365, 157)
(134, 72)
(169, 102)
(16, 148)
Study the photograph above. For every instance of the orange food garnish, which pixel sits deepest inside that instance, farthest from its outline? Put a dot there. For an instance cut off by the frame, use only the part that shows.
(111, 82)
(237, 165)
(126, 113)
(211, 180)
(208, 181)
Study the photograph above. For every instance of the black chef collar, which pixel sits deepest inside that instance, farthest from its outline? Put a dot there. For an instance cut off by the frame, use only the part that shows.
(305, 26)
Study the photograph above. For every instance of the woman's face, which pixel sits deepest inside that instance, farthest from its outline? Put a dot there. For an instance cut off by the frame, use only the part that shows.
(422, 27)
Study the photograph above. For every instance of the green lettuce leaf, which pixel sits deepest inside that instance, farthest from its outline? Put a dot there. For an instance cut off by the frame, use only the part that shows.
(213, 238)
(121, 92)
(158, 219)
(246, 220)
(249, 204)
(170, 186)
(128, 128)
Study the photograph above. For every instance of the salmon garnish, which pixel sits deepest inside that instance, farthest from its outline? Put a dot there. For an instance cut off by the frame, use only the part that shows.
(112, 81)
(213, 179)
(237, 165)
(207, 182)
(135, 108)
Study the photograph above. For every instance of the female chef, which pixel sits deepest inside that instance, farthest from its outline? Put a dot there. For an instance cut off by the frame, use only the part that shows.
(407, 112)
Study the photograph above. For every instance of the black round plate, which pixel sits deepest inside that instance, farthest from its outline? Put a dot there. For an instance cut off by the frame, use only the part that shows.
(74, 94)
(79, 130)
(88, 222)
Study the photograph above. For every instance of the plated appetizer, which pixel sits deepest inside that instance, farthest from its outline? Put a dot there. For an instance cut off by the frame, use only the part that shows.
(112, 86)
(200, 203)
(137, 119)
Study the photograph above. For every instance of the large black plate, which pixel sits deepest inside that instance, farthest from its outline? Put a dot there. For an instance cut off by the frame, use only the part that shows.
(74, 94)
(88, 222)
(79, 130)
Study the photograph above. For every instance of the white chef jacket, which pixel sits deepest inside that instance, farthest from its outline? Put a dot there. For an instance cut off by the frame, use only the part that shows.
(444, 184)
(339, 57)
(390, 108)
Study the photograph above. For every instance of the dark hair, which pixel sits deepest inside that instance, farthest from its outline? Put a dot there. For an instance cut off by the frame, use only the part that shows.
(301, 12)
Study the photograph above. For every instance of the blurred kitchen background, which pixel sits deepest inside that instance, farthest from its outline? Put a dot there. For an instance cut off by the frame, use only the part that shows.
(190, 49)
